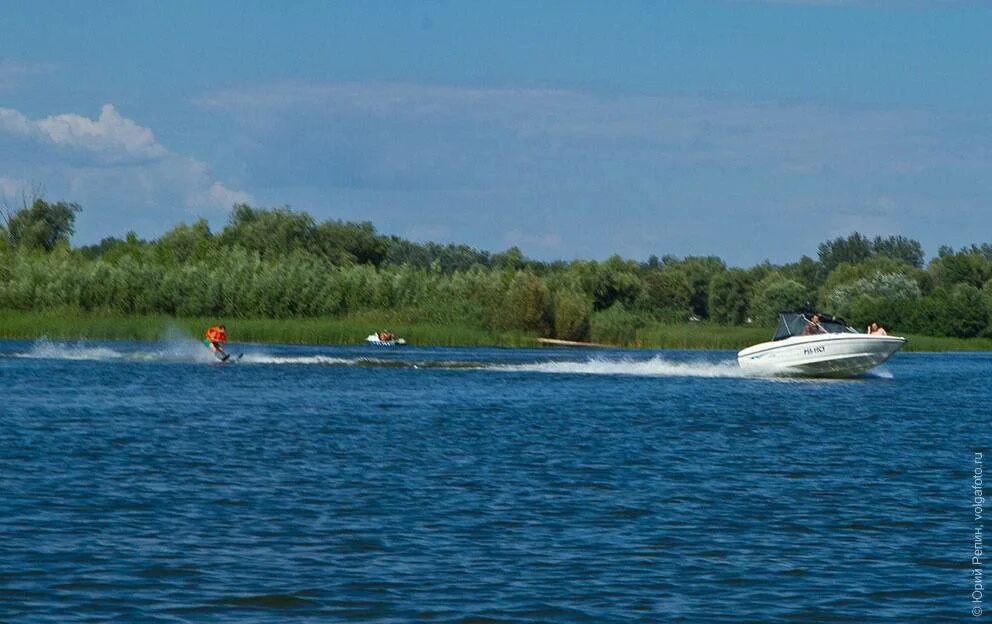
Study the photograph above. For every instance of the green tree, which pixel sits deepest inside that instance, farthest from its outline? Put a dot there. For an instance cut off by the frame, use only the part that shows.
(968, 266)
(512, 258)
(343, 242)
(845, 273)
(450, 258)
(887, 298)
(729, 300)
(615, 325)
(527, 304)
(775, 294)
(185, 243)
(571, 315)
(808, 272)
(699, 271)
(271, 233)
(900, 248)
(854, 249)
(958, 311)
(42, 225)
(857, 248)
(613, 281)
(666, 293)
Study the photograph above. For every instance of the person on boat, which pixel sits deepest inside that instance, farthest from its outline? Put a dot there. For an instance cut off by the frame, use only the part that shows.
(813, 326)
(215, 337)
(877, 330)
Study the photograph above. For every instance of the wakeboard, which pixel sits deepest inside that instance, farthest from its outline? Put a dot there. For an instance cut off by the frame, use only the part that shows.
(224, 356)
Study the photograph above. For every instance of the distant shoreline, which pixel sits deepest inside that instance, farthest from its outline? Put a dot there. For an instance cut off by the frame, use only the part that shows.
(352, 329)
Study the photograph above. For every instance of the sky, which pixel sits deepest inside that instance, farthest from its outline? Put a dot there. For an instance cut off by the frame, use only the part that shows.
(748, 129)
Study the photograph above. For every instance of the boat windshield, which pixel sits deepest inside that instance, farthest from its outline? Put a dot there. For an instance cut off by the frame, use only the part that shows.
(803, 323)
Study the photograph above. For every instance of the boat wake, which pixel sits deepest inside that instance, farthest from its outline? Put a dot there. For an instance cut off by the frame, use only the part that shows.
(300, 360)
(45, 349)
(361, 362)
(655, 367)
(178, 351)
(188, 351)
(881, 373)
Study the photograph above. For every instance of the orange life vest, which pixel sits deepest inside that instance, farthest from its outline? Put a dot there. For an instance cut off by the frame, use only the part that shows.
(216, 334)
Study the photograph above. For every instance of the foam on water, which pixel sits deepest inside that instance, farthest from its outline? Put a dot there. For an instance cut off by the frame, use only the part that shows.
(299, 360)
(655, 367)
(881, 373)
(186, 350)
(138, 491)
(175, 350)
(45, 349)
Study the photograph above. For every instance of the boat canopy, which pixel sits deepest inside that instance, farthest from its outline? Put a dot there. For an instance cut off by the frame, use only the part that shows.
(802, 324)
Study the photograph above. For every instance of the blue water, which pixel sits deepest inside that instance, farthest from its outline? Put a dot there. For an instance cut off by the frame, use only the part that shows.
(144, 483)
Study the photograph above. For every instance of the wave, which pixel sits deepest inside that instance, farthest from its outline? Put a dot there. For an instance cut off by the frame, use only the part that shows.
(173, 351)
(880, 373)
(189, 351)
(45, 349)
(366, 362)
(299, 360)
(655, 367)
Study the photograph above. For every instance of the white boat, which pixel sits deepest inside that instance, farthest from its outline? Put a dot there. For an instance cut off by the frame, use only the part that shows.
(389, 340)
(807, 344)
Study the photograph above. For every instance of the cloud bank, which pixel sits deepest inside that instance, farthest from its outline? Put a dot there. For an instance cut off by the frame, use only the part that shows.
(112, 165)
(388, 133)
(555, 170)
(111, 138)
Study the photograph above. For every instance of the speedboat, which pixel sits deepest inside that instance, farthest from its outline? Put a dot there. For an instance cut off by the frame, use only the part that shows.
(807, 344)
(384, 339)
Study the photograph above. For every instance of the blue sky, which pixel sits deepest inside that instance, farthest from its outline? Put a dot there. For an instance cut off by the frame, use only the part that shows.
(748, 129)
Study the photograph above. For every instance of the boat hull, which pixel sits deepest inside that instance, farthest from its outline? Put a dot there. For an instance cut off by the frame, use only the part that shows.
(821, 355)
(375, 341)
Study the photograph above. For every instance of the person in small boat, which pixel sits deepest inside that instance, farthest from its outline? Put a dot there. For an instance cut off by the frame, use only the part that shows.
(386, 336)
(877, 330)
(813, 326)
(215, 337)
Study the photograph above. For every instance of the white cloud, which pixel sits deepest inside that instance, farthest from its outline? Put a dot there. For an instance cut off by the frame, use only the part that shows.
(110, 138)
(115, 167)
(500, 166)
(13, 122)
(117, 138)
(218, 196)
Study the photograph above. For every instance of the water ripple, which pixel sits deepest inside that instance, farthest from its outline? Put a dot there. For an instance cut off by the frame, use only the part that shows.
(525, 486)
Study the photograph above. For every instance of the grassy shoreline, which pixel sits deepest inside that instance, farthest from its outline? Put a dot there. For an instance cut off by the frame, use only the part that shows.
(75, 325)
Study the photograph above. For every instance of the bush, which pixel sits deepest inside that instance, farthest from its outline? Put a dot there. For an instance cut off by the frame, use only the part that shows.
(615, 325)
(527, 305)
(775, 294)
(571, 316)
(887, 298)
(958, 312)
(729, 297)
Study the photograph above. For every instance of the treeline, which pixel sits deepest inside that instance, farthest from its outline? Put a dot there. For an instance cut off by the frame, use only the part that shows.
(280, 263)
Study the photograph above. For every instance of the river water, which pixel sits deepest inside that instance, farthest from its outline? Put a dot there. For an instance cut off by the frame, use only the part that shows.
(142, 482)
